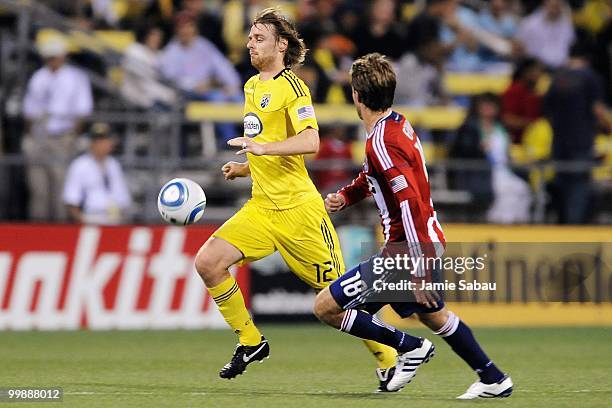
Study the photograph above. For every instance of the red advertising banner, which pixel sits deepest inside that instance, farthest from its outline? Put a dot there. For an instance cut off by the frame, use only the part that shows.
(70, 277)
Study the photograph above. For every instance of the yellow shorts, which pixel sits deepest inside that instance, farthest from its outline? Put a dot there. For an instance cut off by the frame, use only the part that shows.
(304, 236)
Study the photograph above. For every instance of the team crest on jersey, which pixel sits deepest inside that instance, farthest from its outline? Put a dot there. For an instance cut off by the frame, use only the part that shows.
(265, 100)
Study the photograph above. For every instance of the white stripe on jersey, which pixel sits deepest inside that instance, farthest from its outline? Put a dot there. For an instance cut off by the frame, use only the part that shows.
(416, 241)
(384, 148)
(411, 236)
(411, 248)
(379, 147)
(382, 206)
(375, 145)
(433, 235)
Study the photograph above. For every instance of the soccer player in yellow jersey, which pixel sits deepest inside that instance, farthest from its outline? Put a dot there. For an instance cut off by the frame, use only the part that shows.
(286, 212)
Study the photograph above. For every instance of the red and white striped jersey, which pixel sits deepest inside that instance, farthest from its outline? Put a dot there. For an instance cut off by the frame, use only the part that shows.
(394, 173)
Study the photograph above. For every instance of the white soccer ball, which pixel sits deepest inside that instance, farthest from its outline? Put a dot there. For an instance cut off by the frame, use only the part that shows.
(181, 201)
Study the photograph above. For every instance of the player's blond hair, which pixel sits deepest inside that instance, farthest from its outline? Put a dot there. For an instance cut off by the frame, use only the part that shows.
(373, 78)
(283, 28)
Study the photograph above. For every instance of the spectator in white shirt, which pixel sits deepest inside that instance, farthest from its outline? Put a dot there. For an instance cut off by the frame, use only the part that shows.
(57, 97)
(96, 190)
(548, 33)
(141, 71)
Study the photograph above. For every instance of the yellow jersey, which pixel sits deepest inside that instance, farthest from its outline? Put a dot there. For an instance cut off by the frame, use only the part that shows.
(274, 110)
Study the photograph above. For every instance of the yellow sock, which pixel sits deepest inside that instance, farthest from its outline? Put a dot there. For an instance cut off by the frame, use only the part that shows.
(228, 298)
(385, 355)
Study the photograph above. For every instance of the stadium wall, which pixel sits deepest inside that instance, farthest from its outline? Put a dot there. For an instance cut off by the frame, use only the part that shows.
(498, 312)
(67, 277)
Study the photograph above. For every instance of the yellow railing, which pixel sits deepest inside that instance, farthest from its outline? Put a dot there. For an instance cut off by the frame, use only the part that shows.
(435, 117)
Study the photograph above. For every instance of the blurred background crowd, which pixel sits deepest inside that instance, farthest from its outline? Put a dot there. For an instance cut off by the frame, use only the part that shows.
(102, 101)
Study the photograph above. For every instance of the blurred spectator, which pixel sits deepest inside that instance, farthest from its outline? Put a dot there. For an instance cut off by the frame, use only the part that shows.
(482, 136)
(88, 14)
(574, 106)
(591, 15)
(331, 60)
(57, 96)
(444, 21)
(457, 33)
(161, 14)
(197, 67)
(141, 71)
(426, 27)
(603, 54)
(421, 74)
(95, 191)
(379, 32)
(347, 17)
(497, 18)
(101, 13)
(334, 160)
(548, 33)
(316, 19)
(521, 104)
(209, 24)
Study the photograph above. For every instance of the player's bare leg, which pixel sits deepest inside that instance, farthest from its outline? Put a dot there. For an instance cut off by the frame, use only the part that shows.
(493, 382)
(213, 260)
(413, 351)
(212, 263)
(327, 310)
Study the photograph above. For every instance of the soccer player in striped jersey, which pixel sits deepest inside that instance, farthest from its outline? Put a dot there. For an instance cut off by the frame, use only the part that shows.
(394, 173)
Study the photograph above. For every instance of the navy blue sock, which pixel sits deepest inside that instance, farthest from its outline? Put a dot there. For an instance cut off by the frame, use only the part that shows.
(461, 339)
(366, 326)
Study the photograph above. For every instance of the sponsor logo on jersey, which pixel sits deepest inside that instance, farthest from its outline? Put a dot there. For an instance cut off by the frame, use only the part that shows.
(265, 100)
(252, 125)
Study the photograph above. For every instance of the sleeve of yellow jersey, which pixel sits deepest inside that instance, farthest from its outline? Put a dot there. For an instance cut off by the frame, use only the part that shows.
(301, 113)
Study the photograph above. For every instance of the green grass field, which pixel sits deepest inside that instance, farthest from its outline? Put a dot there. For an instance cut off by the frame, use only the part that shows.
(310, 366)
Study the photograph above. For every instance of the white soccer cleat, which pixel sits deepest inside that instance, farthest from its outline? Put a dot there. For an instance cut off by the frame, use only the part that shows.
(501, 389)
(407, 364)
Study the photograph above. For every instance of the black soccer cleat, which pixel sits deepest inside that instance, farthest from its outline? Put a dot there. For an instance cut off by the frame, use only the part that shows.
(243, 356)
(384, 376)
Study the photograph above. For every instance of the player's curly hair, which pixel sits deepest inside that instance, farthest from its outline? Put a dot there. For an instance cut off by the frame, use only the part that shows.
(373, 78)
(283, 28)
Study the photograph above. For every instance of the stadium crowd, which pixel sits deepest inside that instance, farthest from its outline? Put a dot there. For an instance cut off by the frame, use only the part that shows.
(557, 54)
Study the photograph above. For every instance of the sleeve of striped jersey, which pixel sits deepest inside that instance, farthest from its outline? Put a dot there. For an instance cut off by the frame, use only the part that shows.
(302, 114)
(395, 164)
(356, 191)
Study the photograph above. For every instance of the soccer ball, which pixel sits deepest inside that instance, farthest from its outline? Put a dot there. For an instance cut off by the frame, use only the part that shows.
(181, 201)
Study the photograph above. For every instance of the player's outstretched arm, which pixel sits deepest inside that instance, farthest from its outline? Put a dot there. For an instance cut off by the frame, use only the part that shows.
(305, 142)
(352, 193)
(233, 169)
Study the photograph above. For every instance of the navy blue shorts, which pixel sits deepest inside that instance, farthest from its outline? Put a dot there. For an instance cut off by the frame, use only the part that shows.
(351, 292)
